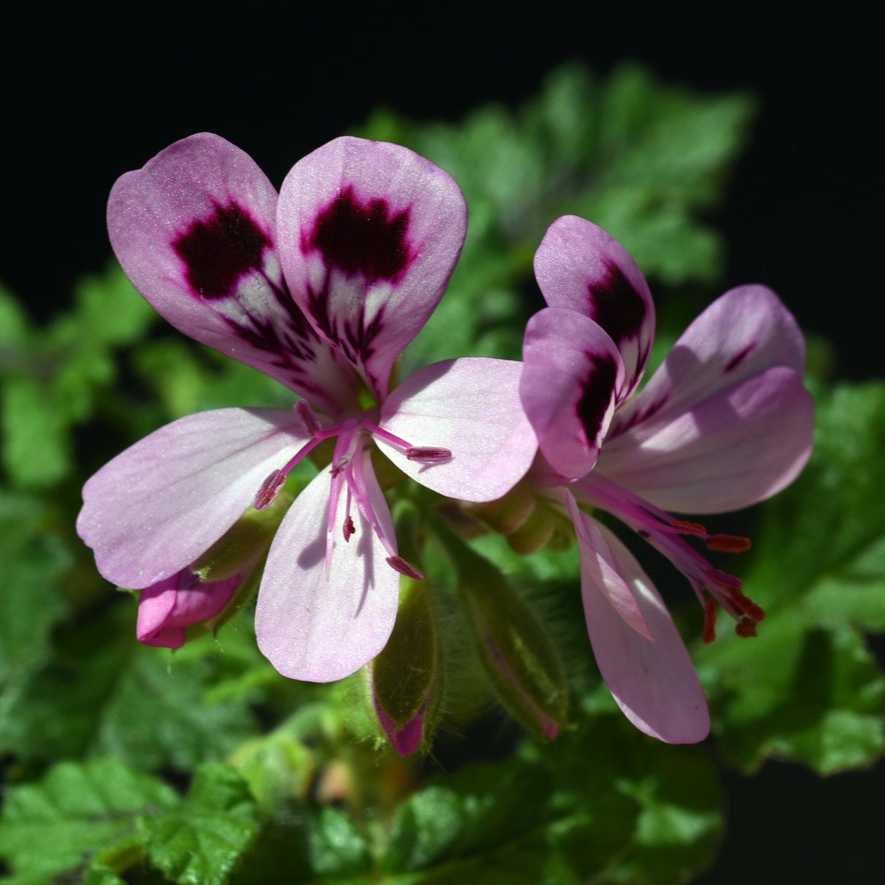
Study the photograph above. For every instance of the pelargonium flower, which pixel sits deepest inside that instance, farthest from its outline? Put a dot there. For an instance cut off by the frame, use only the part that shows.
(321, 287)
(725, 422)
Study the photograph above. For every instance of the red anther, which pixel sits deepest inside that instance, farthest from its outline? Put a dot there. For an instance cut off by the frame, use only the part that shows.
(710, 611)
(745, 628)
(728, 543)
(308, 419)
(428, 454)
(684, 527)
(754, 612)
(349, 528)
(269, 490)
(398, 564)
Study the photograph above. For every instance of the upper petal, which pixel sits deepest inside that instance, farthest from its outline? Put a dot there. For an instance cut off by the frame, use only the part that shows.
(471, 407)
(569, 387)
(318, 626)
(369, 235)
(156, 507)
(195, 231)
(581, 267)
(654, 682)
(745, 331)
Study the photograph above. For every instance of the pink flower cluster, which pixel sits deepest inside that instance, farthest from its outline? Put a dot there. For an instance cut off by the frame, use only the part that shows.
(322, 286)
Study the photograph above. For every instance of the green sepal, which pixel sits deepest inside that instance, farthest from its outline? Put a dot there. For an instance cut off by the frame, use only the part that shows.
(406, 674)
(516, 651)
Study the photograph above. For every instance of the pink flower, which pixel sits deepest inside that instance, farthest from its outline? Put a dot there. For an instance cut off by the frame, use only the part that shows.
(166, 609)
(724, 423)
(320, 287)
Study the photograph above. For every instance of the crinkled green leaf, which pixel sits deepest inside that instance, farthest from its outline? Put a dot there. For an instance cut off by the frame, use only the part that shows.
(201, 841)
(650, 814)
(103, 692)
(32, 561)
(77, 811)
(807, 688)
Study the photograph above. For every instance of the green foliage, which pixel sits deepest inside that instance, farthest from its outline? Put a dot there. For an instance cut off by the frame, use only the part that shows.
(808, 688)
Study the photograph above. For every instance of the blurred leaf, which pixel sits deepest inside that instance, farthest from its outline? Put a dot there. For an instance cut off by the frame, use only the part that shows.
(77, 810)
(807, 688)
(203, 838)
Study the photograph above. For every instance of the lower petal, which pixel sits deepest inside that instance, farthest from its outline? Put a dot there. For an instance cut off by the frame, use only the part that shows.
(317, 625)
(653, 682)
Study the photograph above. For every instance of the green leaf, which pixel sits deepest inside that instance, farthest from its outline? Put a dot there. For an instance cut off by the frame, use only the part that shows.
(201, 841)
(76, 811)
(553, 814)
(807, 688)
(103, 692)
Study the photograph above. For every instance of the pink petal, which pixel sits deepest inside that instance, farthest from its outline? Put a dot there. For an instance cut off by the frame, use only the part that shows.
(369, 235)
(166, 609)
(320, 627)
(156, 507)
(740, 446)
(471, 407)
(195, 231)
(745, 331)
(568, 388)
(580, 267)
(605, 577)
(654, 682)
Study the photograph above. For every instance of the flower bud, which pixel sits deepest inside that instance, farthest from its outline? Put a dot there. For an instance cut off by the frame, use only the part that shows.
(515, 649)
(405, 676)
(166, 609)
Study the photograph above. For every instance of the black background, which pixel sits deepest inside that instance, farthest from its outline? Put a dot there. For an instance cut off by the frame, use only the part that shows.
(87, 96)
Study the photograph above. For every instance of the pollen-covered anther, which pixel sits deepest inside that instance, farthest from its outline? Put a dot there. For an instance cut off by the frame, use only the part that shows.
(348, 529)
(728, 543)
(750, 609)
(710, 611)
(685, 527)
(398, 564)
(428, 454)
(308, 419)
(269, 490)
(745, 628)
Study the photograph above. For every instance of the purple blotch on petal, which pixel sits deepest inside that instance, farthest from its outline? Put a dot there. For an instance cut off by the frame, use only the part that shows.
(361, 238)
(597, 394)
(617, 306)
(739, 357)
(219, 250)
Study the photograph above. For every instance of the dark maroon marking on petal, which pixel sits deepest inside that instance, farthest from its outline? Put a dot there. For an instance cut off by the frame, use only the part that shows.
(219, 250)
(641, 415)
(361, 239)
(595, 399)
(738, 358)
(617, 306)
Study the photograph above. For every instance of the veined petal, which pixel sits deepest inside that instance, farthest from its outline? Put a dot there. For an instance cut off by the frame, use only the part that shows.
(745, 331)
(569, 387)
(654, 682)
(580, 267)
(156, 507)
(369, 235)
(471, 407)
(195, 231)
(596, 561)
(740, 446)
(320, 626)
